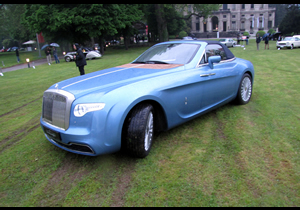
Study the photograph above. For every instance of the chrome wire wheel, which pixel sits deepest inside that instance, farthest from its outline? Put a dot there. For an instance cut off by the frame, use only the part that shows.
(246, 89)
(148, 132)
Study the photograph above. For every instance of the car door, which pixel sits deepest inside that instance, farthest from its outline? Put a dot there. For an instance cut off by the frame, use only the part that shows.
(297, 42)
(219, 83)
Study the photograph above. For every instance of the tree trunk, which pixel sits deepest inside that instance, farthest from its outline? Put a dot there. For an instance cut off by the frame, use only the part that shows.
(93, 42)
(126, 41)
(101, 42)
(161, 23)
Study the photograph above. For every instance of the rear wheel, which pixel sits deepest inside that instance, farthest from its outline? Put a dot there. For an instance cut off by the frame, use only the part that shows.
(138, 131)
(245, 90)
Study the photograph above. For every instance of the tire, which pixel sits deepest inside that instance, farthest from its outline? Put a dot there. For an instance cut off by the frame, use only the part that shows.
(245, 90)
(67, 59)
(138, 131)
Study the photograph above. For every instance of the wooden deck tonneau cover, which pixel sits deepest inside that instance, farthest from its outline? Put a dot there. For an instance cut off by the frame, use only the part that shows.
(150, 66)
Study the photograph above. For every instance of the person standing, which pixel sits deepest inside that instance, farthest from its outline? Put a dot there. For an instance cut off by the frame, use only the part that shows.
(17, 54)
(267, 41)
(257, 41)
(55, 55)
(279, 38)
(79, 58)
(48, 55)
(238, 39)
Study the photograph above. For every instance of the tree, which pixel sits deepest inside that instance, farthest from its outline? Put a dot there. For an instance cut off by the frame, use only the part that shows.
(130, 14)
(80, 22)
(280, 12)
(291, 21)
(166, 13)
(11, 27)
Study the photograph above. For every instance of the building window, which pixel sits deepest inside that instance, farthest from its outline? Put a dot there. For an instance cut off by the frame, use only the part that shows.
(233, 7)
(260, 24)
(269, 24)
(233, 16)
(242, 25)
(261, 6)
(270, 15)
(233, 25)
(197, 26)
(224, 16)
(225, 6)
(252, 6)
(243, 6)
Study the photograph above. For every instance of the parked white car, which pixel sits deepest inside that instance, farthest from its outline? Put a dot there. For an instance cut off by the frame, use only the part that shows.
(228, 42)
(288, 42)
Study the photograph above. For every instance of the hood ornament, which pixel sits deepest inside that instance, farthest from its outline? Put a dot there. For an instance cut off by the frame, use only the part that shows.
(56, 86)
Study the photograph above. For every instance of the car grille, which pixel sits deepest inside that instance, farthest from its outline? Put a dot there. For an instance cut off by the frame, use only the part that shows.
(56, 108)
(282, 43)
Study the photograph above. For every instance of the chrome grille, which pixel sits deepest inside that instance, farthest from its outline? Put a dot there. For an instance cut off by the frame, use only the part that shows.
(56, 108)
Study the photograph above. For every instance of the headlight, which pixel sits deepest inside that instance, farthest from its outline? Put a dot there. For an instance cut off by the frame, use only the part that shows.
(82, 109)
(287, 43)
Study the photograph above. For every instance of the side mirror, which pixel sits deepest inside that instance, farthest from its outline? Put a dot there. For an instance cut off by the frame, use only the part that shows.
(213, 59)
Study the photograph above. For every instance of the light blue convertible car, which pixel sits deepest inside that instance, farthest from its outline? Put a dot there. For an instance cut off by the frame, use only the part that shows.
(122, 107)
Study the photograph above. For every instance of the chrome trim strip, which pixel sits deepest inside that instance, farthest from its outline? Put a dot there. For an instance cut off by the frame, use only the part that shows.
(83, 145)
(69, 100)
(100, 75)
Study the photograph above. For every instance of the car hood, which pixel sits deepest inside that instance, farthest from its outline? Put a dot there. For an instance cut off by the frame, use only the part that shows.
(108, 79)
(285, 41)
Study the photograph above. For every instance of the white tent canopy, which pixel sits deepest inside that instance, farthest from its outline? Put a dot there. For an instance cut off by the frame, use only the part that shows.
(30, 42)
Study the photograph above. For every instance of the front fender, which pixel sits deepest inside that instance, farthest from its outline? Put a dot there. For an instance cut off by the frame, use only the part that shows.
(117, 114)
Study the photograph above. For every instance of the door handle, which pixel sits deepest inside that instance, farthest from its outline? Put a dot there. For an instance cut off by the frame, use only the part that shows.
(206, 75)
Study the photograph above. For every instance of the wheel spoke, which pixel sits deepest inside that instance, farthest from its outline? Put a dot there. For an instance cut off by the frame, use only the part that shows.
(149, 131)
(246, 89)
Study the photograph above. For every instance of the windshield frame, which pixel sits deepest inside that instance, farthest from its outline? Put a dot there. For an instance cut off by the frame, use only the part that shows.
(169, 50)
(288, 39)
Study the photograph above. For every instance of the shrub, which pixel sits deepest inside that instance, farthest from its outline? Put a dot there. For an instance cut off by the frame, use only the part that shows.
(182, 34)
(246, 33)
(271, 31)
(172, 37)
(261, 33)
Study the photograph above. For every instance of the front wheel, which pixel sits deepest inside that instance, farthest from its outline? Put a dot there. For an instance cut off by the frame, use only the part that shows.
(138, 131)
(67, 59)
(245, 90)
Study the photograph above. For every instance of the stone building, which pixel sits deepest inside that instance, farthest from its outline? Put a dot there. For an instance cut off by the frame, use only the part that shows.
(231, 19)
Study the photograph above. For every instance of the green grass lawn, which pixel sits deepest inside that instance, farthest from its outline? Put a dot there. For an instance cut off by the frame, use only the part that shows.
(10, 59)
(233, 156)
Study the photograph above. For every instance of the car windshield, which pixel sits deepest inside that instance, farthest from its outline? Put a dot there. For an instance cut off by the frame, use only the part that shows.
(176, 53)
(222, 40)
(288, 38)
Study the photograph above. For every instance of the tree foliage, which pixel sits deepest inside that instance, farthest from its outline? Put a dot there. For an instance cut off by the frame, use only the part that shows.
(163, 15)
(11, 27)
(79, 22)
(291, 21)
